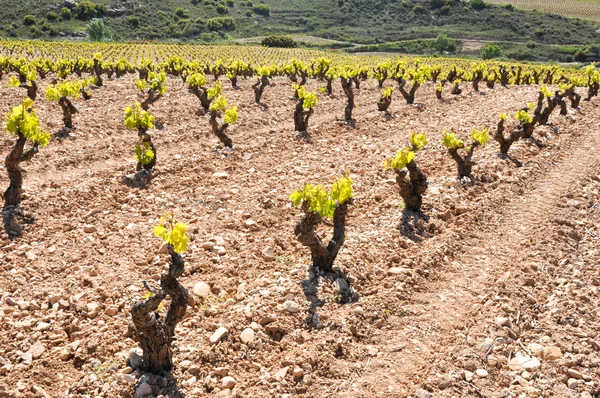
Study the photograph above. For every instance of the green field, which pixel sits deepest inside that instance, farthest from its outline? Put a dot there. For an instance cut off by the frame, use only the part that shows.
(584, 9)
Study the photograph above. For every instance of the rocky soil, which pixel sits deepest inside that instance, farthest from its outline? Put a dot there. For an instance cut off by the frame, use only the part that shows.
(492, 292)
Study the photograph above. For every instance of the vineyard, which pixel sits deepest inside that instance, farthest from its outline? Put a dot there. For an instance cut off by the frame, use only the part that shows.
(584, 9)
(229, 221)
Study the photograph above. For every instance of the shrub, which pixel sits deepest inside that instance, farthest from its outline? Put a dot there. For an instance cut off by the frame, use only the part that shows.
(509, 7)
(28, 20)
(262, 9)
(579, 56)
(437, 4)
(220, 23)
(87, 10)
(181, 12)
(51, 16)
(490, 51)
(478, 4)
(97, 31)
(445, 10)
(230, 3)
(222, 9)
(65, 13)
(530, 44)
(279, 41)
(444, 43)
(133, 21)
(419, 9)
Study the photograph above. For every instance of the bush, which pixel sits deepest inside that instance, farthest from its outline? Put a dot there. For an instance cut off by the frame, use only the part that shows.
(220, 23)
(437, 4)
(579, 56)
(28, 20)
(53, 31)
(509, 7)
(181, 12)
(445, 10)
(419, 9)
(443, 43)
(490, 51)
(478, 4)
(230, 3)
(222, 9)
(87, 10)
(530, 44)
(65, 13)
(279, 41)
(262, 9)
(97, 31)
(51, 16)
(133, 21)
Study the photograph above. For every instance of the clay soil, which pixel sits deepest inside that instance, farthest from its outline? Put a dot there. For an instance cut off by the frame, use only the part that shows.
(498, 268)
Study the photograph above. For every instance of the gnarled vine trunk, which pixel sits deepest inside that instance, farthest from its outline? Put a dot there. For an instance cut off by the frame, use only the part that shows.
(68, 110)
(202, 95)
(464, 163)
(322, 255)
(12, 195)
(413, 188)
(153, 96)
(301, 116)
(145, 138)
(259, 88)
(220, 131)
(409, 96)
(506, 142)
(347, 87)
(154, 333)
(384, 103)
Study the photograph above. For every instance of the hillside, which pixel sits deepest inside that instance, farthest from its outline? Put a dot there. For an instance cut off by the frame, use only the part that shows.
(356, 21)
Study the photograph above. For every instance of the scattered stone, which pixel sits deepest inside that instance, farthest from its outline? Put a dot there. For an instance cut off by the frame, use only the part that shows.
(228, 382)
(89, 229)
(502, 321)
(423, 393)
(298, 372)
(468, 376)
(247, 336)
(575, 374)
(398, 271)
(37, 350)
(482, 373)
(268, 254)
(221, 174)
(42, 326)
(535, 348)
(573, 383)
(126, 378)
(267, 319)
(201, 289)
(207, 245)
(551, 353)
(291, 306)
(520, 363)
(218, 335)
(445, 382)
(281, 374)
(143, 390)
(135, 360)
(358, 310)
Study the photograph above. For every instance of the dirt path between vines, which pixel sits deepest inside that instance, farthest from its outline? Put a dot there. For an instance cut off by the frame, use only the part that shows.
(449, 307)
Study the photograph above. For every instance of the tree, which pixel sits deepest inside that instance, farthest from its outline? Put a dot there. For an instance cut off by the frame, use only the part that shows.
(23, 124)
(490, 51)
(318, 204)
(28, 20)
(97, 31)
(154, 332)
(443, 43)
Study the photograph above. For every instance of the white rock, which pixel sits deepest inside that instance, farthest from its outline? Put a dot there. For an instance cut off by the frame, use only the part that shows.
(37, 350)
(126, 378)
(201, 289)
(535, 348)
(358, 310)
(280, 375)
(468, 376)
(423, 393)
(482, 373)
(218, 335)
(228, 382)
(291, 306)
(502, 321)
(268, 254)
(399, 271)
(247, 335)
(221, 174)
(520, 363)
